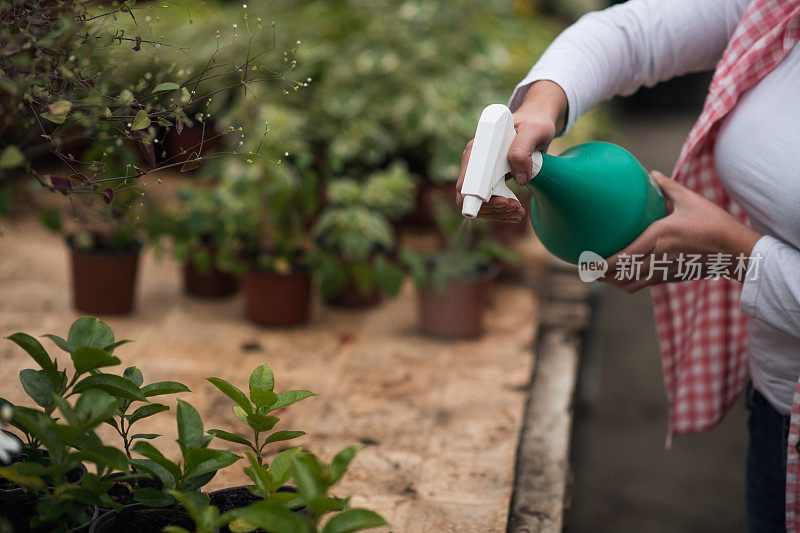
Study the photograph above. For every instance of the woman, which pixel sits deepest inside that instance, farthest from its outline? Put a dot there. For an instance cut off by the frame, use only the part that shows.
(734, 191)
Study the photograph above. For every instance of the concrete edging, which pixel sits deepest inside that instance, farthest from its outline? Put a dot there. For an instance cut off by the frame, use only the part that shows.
(542, 475)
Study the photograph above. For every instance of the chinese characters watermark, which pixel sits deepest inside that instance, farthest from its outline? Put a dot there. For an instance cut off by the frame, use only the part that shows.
(684, 267)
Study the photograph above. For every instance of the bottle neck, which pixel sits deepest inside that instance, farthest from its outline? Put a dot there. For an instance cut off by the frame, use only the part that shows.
(543, 165)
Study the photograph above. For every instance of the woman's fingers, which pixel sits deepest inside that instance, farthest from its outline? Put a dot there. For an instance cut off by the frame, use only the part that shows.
(531, 136)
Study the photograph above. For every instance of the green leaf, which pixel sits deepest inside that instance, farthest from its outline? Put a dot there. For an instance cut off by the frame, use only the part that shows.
(90, 331)
(259, 474)
(146, 411)
(38, 353)
(341, 462)
(155, 470)
(103, 456)
(117, 386)
(94, 406)
(151, 452)
(283, 435)
(54, 118)
(141, 121)
(271, 517)
(260, 422)
(190, 426)
(307, 484)
(200, 461)
(168, 86)
(144, 436)
(280, 470)
(152, 497)
(354, 520)
(37, 385)
(88, 358)
(233, 393)
(164, 122)
(134, 374)
(230, 437)
(61, 343)
(164, 387)
(30, 482)
(240, 414)
(262, 398)
(288, 398)
(111, 347)
(262, 378)
(12, 157)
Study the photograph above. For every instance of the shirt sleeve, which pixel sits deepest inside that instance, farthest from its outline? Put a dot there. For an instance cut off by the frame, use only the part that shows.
(639, 42)
(771, 290)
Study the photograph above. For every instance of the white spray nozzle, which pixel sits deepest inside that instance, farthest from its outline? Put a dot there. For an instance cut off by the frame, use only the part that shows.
(488, 162)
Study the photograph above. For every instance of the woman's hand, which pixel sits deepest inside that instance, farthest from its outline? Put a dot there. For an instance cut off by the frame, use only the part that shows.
(540, 117)
(695, 227)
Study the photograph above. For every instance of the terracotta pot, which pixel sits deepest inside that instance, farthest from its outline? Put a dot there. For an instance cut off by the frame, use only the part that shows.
(457, 312)
(273, 299)
(104, 281)
(351, 296)
(213, 283)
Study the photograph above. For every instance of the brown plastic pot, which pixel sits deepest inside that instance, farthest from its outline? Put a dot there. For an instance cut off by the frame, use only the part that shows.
(213, 283)
(273, 299)
(457, 312)
(104, 281)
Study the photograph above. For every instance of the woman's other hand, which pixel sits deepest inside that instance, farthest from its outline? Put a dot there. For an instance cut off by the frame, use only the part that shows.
(696, 228)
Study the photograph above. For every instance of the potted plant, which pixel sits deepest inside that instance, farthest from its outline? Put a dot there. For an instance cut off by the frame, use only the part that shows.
(277, 283)
(207, 226)
(453, 282)
(46, 487)
(104, 237)
(355, 239)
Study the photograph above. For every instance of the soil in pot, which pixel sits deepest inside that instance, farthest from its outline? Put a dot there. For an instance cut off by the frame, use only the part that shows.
(123, 489)
(273, 299)
(211, 283)
(18, 507)
(138, 518)
(237, 497)
(104, 281)
(457, 312)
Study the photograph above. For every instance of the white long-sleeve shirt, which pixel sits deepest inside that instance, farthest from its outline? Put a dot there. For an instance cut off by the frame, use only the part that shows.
(757, 152)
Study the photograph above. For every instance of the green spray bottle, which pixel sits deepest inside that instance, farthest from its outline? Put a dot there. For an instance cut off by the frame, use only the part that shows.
(594, 197)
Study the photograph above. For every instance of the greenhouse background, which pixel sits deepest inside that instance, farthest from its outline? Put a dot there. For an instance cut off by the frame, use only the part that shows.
(235, 185)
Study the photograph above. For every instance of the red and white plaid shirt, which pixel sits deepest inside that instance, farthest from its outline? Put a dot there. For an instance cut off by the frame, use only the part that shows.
(701, 330)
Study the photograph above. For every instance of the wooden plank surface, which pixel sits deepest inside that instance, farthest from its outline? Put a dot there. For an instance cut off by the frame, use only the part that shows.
(439, 420)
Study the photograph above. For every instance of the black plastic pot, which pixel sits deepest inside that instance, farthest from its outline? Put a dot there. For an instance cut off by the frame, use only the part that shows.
(138, 518)
(74, 476)
(17, 507)
(237, 497)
